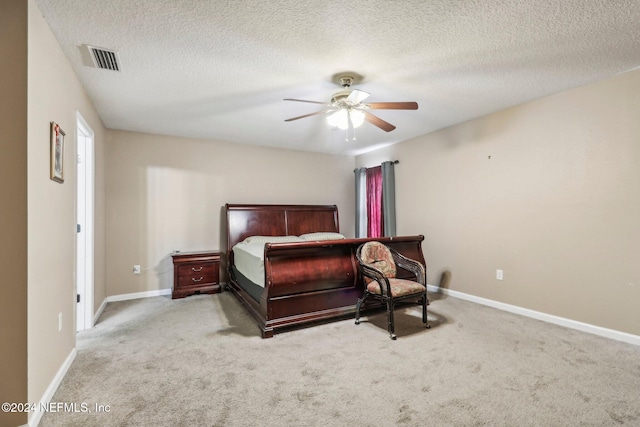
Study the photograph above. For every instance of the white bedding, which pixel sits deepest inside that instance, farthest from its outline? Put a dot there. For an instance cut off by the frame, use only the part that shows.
(248, 255)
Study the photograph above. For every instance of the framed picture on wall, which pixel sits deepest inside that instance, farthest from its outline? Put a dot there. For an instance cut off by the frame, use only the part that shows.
(57, 153)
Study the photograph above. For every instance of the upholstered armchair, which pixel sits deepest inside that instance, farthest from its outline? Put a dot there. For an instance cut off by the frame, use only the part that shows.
(378, 264)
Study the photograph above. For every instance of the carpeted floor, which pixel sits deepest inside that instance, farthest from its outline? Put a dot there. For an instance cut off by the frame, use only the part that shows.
(200, 361)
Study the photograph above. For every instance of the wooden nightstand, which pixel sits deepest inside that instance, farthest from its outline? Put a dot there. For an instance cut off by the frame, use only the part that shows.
(195, 273)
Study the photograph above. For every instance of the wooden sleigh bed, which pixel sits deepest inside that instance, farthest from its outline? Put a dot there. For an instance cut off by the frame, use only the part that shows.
(307, 281)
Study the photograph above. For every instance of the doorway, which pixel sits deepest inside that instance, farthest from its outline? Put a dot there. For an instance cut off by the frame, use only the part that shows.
(85, 227)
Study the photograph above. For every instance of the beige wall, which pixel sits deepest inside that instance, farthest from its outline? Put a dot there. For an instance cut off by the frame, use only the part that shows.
(55, 94)
(13, 207)
(166, 193)
(548, 191)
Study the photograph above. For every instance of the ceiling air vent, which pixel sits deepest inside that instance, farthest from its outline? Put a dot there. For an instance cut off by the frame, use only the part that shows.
(104, 59)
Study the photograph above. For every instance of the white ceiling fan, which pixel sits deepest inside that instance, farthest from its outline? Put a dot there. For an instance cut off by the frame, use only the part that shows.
(346, 109)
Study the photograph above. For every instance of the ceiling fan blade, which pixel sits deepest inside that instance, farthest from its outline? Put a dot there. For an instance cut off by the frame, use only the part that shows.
(377, 121)
(357, 96)
(304, 100)
(393, 105)
(307, 115)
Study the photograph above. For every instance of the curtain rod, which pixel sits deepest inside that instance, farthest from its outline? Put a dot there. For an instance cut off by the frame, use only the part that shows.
(395, 162)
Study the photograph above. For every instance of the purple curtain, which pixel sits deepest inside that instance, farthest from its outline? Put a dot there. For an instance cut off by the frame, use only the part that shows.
(374, 202)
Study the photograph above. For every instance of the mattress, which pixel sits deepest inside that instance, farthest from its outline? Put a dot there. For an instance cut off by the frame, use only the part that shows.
(248, 255)
(251, 288)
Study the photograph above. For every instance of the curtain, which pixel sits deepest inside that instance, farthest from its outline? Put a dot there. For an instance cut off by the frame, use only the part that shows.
(374, 202)
(388, 199)
(361, 202)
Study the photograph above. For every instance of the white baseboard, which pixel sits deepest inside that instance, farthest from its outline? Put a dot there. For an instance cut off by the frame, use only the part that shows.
(126, 297)
(561, 321)
(98, 313)
(34, 417)
(136, 295)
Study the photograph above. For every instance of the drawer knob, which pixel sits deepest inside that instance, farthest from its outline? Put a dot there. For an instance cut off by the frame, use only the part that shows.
(197, 280)
(196, 269)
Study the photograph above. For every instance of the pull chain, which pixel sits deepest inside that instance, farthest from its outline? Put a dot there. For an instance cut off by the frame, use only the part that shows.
(353, 132)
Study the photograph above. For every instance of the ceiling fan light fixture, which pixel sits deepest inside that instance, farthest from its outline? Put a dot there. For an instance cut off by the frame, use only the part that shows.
(357, 118)
(340, 118)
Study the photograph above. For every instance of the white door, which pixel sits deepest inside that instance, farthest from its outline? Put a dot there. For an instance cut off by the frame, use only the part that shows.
(84, 230)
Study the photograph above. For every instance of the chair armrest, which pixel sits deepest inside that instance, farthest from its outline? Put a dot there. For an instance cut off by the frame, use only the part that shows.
(376, 275)
(411, 265)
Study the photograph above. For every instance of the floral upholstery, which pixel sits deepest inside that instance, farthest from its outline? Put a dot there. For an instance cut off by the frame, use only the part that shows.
(379, 256)
(399, 287)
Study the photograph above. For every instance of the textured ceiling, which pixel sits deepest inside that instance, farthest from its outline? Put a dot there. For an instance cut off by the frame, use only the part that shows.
(220, 69)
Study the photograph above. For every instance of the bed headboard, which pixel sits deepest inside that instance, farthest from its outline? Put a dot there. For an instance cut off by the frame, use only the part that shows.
(278, 220)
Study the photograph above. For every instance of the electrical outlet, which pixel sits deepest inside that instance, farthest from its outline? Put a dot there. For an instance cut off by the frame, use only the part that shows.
(59, 322)
(136, 269)
(499, 274)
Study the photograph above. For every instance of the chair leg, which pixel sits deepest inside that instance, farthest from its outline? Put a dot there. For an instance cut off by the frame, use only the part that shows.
(360, 302)
(424, 312)
(392, 327)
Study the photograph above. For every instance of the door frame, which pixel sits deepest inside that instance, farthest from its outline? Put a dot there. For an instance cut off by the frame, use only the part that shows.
(85, 235)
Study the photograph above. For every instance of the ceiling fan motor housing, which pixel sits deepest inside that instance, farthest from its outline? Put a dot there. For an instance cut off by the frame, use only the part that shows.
(345, 81)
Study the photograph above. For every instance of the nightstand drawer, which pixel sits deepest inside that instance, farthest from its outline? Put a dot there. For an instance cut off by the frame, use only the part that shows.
(207, 270)
(197, 279)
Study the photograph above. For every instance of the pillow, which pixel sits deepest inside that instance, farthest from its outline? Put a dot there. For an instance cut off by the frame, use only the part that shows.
(324, 235)
(273, 239)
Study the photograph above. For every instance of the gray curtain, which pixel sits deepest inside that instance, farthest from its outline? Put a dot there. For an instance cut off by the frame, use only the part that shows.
(389, 199)
(361, 202)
